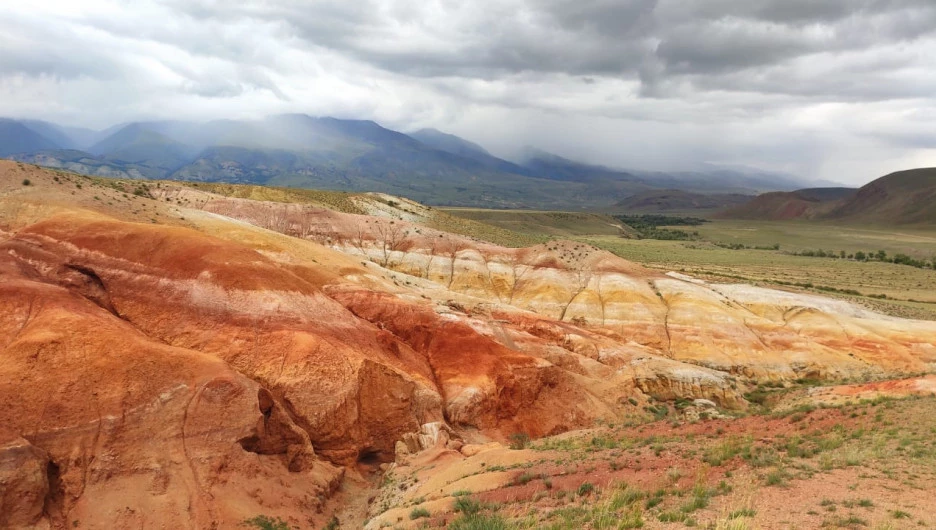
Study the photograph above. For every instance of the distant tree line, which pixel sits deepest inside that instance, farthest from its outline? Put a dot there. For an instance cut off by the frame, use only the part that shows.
(647, 226)
(880, 255)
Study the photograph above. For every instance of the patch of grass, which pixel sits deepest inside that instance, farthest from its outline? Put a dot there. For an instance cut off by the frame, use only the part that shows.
(480, 522)
(418, 513)
(525, 478)
(672, 517)
(265, 522)
(777, 477)
(852, 521)
(519, 440)
(700, 499)
(722, 452)
(466, 505)
(744, 512)
(586, 488)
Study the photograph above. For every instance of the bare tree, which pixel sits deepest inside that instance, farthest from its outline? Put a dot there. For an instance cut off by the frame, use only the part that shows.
(359, 240)
(517, 271)
(452, 248)
(601, 298)
(581, 279)
(490, 275)
(305, 224)
(431, 250)
(277, 220)
(392, 238)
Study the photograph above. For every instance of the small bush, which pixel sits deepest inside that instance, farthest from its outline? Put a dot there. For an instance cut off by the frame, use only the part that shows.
(744, 512)
(519, 440)
(586, 488)
(26, 182)
(479, 522)
(672, 517)
(265, 522)
(777, 477)
(466, 505)
(418, 513)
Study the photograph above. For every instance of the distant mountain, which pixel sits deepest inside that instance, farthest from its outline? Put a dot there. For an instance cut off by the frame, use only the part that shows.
(16, 138)
(463, 148)
(904, 197)
(548, 165)
(51, 132)
(720, 180)
(653, 201)
(777, 206)
(449, 143)
(67, 137)
(356, 155)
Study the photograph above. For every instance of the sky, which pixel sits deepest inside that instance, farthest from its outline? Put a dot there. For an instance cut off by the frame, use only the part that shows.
(841, 90)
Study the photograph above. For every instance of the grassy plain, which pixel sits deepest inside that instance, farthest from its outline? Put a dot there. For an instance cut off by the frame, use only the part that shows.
(545, 223)
(798, 236)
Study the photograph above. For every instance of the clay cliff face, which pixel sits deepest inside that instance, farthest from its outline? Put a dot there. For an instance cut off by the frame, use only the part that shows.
(193, 367)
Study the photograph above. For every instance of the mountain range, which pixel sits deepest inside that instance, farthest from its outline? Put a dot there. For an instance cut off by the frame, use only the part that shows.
(297, 150)
(900, 198)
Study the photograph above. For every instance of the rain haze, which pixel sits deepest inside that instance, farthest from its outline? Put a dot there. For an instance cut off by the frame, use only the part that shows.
(840, 90)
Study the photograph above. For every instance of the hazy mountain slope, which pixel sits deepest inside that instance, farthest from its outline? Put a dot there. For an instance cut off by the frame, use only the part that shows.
(449, 143)
(722, 180)
(904, 197)
(51, 131)
(17, 138)
(461, 147)
(677, 200)
(555, 167)
(139, 147)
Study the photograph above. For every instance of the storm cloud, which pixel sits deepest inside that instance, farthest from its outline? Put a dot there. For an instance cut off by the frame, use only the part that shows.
(843, 90)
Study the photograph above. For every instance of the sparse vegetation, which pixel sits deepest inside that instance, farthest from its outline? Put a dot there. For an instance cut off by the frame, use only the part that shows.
(265, 522)
(519, 440)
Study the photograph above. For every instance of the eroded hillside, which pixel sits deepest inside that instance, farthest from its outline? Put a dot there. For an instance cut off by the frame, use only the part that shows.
(175, 355)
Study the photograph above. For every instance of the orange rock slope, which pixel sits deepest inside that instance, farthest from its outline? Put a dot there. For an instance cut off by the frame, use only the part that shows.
(183, 366)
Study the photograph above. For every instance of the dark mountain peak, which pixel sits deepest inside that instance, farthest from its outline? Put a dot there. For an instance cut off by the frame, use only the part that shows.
(131, 134)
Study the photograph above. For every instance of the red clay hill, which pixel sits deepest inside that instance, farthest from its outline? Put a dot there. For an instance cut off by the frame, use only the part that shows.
(174, 357)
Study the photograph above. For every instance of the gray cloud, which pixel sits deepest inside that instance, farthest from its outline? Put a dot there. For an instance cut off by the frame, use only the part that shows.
(792, 84)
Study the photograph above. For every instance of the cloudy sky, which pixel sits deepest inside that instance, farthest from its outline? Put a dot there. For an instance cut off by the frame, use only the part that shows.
(843, 90)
